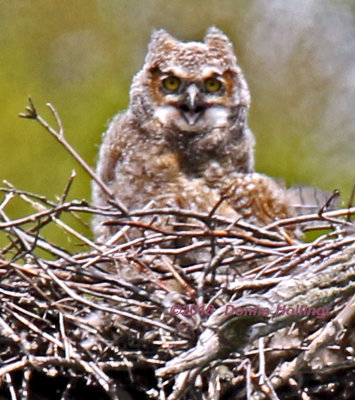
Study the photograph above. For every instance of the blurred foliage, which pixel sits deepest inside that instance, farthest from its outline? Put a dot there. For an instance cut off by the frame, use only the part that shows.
(298, 57)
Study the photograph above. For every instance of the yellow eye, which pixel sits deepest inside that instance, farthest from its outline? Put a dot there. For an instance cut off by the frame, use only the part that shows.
(171, 83)
(212, 85)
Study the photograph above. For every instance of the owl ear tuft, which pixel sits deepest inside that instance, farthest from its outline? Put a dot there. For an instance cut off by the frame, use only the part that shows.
(215, 38)
(160, 40)
(161, 43)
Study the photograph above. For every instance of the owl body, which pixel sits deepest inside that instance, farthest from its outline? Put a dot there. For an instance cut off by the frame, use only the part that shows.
(184, 140)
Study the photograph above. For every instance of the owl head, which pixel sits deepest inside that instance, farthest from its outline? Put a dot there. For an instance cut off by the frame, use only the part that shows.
(195, 92)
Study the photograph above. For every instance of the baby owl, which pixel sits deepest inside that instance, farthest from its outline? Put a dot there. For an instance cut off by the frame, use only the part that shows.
(184, 140)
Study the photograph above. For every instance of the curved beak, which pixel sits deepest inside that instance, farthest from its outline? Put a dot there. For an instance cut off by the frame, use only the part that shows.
(191, 108)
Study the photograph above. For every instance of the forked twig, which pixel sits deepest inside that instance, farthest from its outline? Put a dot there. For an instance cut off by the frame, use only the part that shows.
(60, 137)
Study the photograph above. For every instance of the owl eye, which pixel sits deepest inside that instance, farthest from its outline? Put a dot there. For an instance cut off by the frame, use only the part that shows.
(212, 85)
(171, 83)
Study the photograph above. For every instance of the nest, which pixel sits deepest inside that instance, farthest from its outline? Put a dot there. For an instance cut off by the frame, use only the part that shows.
(128, 320)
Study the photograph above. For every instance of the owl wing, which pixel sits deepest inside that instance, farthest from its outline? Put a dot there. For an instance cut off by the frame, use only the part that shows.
(307, 200)
(259, 199)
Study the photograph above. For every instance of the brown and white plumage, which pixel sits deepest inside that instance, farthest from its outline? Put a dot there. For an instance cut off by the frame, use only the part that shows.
(184, 138)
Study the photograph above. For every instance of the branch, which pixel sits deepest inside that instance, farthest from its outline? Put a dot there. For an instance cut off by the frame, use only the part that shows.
(60, 137)
(315, 287)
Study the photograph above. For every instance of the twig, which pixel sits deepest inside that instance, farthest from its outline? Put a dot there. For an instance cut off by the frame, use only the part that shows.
(60, 137)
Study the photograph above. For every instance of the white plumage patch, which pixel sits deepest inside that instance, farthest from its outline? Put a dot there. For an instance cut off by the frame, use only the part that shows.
(165, 113)
(216, 116)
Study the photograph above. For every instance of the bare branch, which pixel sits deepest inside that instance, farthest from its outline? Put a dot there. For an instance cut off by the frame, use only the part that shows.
(60, 137)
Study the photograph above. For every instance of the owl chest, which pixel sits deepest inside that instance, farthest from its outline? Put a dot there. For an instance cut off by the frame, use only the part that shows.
(144, 170)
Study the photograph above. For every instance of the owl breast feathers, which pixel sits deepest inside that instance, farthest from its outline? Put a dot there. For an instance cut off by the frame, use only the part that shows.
(184, 138)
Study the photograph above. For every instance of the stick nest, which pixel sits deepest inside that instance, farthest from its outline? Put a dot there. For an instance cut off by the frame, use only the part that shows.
(127, 320)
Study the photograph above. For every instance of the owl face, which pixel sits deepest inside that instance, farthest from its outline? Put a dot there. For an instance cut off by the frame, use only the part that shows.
(191, 93)
(192, 103)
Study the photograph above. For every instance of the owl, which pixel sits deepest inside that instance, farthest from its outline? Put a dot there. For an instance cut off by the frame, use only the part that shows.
(184, 140)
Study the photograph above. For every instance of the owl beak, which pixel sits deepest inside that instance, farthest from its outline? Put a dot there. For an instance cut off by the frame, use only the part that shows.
(191, 109)
(191, 97)
(191, 117)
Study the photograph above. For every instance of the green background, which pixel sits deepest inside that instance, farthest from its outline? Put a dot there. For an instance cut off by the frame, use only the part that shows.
(298, 58)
